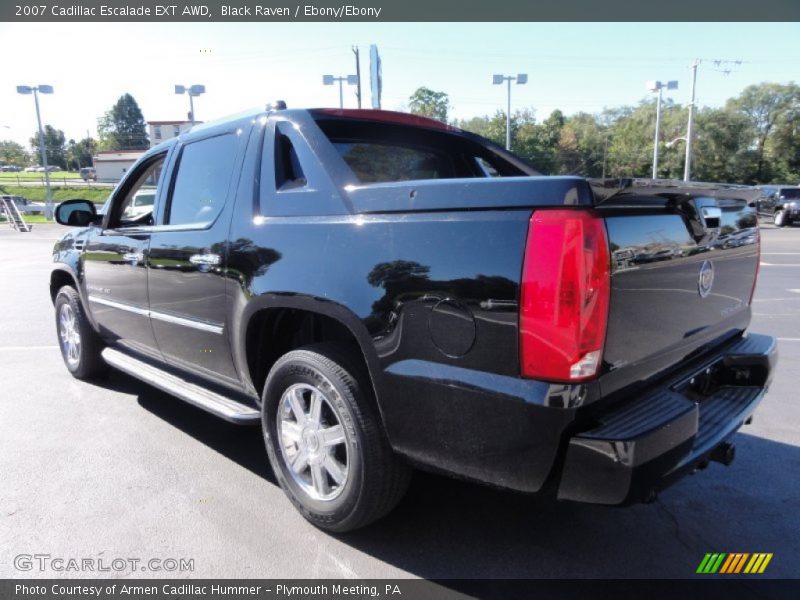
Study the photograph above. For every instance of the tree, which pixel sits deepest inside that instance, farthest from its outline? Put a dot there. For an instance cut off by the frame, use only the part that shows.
(80, 154)
(765, 105)
(123, 127)
(722, 149)
(428, 103)
(54, 141)
(581, 146)
(12, 153)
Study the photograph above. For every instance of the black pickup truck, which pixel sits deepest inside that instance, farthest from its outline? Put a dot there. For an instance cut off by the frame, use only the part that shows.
(379, 291)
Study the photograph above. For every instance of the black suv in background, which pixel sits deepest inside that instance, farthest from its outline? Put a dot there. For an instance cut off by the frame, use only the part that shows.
(780, 202)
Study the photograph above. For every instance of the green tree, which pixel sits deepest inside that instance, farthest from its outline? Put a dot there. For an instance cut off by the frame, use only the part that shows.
(80, 154)
(722, 149)
(12, 153)
(581, 146)
(428, 103)
(765, 105)
(54, 142)
(123, 127)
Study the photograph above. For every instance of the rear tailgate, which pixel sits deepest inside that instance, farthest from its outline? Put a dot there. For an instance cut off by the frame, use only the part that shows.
(683, 269)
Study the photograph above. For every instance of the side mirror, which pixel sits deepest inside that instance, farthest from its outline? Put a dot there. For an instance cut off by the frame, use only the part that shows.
(77, 213)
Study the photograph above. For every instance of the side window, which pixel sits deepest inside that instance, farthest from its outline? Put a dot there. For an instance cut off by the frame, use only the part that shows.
(288, 171)
(200, 187)
(136, 207)
(486, 167)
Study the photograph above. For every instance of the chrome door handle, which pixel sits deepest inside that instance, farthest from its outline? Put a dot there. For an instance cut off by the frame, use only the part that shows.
(205, 259)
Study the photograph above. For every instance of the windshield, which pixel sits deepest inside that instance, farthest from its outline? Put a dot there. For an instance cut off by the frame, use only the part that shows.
(791, 193)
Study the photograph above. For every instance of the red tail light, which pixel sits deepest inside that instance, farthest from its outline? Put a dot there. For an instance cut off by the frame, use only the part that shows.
(564, 298)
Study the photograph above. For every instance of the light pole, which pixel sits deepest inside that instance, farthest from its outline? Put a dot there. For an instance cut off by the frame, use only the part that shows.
(36, 90)
(193, 91)
(521, 79)
(657, 86)
(330, 80)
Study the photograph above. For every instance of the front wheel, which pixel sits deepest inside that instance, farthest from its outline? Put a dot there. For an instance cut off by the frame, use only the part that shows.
(80, 345)
(325, 442)
(780, 218)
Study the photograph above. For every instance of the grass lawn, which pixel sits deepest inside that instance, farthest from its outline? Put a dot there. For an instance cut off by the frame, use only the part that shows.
(54, 177)
(60, 193)
(30, 219)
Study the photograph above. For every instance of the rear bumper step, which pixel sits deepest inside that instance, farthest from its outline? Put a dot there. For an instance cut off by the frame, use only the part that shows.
(651, 441)
(217, 404)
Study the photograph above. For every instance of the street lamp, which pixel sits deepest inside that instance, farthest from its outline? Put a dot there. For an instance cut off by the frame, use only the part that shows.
(36, 90)
(521, 79)
(657, 86)
(193, 91)
(330, 80)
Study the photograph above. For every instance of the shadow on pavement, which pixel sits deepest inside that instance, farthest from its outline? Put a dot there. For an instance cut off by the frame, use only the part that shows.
(452, 529)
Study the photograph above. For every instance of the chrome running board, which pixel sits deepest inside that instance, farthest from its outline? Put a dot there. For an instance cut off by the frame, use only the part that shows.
(217, 404)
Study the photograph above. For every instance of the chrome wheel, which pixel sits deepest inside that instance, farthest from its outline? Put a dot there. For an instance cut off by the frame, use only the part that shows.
(69, 336)
(312, 441)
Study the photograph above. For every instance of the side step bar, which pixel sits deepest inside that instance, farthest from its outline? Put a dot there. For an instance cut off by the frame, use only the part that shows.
(217, 404)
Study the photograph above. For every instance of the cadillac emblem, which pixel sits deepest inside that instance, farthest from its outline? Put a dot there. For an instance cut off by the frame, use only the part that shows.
(706, 279)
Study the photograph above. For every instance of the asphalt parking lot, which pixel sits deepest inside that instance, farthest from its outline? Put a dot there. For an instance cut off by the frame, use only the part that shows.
(119, 469)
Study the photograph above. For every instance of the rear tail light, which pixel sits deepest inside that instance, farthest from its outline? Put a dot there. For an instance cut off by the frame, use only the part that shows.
(564, 297)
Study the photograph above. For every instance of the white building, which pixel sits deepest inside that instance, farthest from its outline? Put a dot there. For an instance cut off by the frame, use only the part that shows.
(112, 165)
(161, 131)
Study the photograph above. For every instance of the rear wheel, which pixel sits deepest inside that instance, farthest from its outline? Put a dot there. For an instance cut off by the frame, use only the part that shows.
(80, 345)
(325, 442)
(780, 218)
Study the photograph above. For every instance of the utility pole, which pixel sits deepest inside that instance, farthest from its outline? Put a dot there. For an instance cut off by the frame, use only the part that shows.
(358, 75)
(687, 166)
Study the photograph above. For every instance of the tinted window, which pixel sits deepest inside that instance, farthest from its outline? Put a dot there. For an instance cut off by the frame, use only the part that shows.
(201, 185)
(380, 152)
(373, 162)
(791, 193)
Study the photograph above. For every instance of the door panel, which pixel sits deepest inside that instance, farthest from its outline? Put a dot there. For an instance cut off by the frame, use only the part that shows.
(115, 260)
(116, 284)
(187, 257)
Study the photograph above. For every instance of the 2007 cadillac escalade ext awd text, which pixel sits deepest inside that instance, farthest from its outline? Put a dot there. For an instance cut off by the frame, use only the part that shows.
(380, 291)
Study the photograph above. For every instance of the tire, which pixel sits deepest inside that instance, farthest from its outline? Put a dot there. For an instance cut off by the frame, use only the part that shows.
(780, 218)
(79, 344)
(345, 474)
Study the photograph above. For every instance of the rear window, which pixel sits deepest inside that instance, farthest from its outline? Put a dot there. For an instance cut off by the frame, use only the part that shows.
(372, 162)
(793, 193)
(378, 152)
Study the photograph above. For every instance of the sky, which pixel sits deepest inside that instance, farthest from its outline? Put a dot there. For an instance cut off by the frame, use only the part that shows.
(571, 66)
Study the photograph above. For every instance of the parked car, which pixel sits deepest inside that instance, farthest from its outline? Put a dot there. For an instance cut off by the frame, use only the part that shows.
(782, 203)
(32, 169)
(88, 173)
(10, 169)
(356, 284)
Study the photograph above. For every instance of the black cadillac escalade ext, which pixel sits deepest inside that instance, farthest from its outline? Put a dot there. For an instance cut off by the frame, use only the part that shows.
(379, 291)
